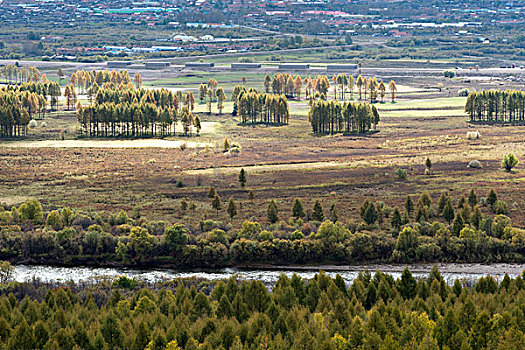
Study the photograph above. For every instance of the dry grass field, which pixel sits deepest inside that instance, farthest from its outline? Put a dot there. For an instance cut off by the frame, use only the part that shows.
(282, 163)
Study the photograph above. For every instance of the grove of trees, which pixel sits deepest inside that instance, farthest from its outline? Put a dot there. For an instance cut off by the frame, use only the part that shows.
(19, 104)
(124, 110)
(496, 106)
(343, 85)
(329, 117)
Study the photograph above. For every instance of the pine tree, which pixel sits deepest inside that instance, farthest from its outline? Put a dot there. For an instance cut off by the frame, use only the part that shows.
(211, 192)
(472, 199)
(298, 210)
(396, 221)
(428, 164)
(232, 208)
(333, 213)
(458, 224)
(272, 212)
(318, 214)
(216, 203)
(448, 211)
(370, 214)
(409, 205)
(492, 198)
(476, 218)
(251, 195)
(242, 177)
(442, 202)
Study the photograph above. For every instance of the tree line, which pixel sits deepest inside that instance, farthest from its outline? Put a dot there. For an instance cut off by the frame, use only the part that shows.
(16, 74)
(496, 106)
(83, 80)
(126, 111)
(343, 86)
(330, 117)
(423, 231)
(374, 311)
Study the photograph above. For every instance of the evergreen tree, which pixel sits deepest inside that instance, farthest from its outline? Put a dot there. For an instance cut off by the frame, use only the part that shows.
(396, 221)
(370, 215)
(232, 208)
(318, 214)
(216, 203)
(242, 177)
(472, 199)
(298, 210)
(428, 164)
(409, 205)
(333, 213)
(448, 211)
(492, 198)
(272, 212)
(442, 202)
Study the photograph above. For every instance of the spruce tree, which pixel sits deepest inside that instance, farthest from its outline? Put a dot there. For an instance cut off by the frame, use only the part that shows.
(318, 214)
(297, 209)
(448, 211)
(428, 164)
(216, 203)
(370, 215)
(458, 224)
(442, 202)
(333, 213)
(272, 212)
(492, 198)
(232, 208)
(472, 199)
(409, 205)
(396, 220)
(242, 177)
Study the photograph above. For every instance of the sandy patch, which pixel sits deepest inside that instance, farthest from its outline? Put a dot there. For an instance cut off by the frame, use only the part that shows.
(144, 143)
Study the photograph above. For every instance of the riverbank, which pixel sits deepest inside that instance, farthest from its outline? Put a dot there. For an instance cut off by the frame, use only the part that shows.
(266, 274)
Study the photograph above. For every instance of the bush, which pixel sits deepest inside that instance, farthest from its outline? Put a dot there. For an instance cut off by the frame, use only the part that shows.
(475, 164)
(449, 74)
(33, 124)
(44, 124)
(501, 207)
(401, 174)
(463, 92)
(509, 161)
(473, 135)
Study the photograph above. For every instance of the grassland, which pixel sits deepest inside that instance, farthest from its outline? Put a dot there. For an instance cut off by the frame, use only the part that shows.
(282, 163)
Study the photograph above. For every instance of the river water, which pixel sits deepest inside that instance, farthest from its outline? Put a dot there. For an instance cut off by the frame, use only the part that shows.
(466, 272)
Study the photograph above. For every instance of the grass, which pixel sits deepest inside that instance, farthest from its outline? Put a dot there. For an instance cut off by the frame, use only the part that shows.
(282, 162)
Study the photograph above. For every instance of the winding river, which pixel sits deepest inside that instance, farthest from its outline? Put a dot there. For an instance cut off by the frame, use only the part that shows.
(268, 275)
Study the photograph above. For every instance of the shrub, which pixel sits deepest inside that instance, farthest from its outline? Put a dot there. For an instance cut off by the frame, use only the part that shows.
(475, 164)
(33, 124)
(509, 161)
(449, 74)
(473, 135)
(501, 207)
(44, 124)
(463, 92)
(401, 174)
